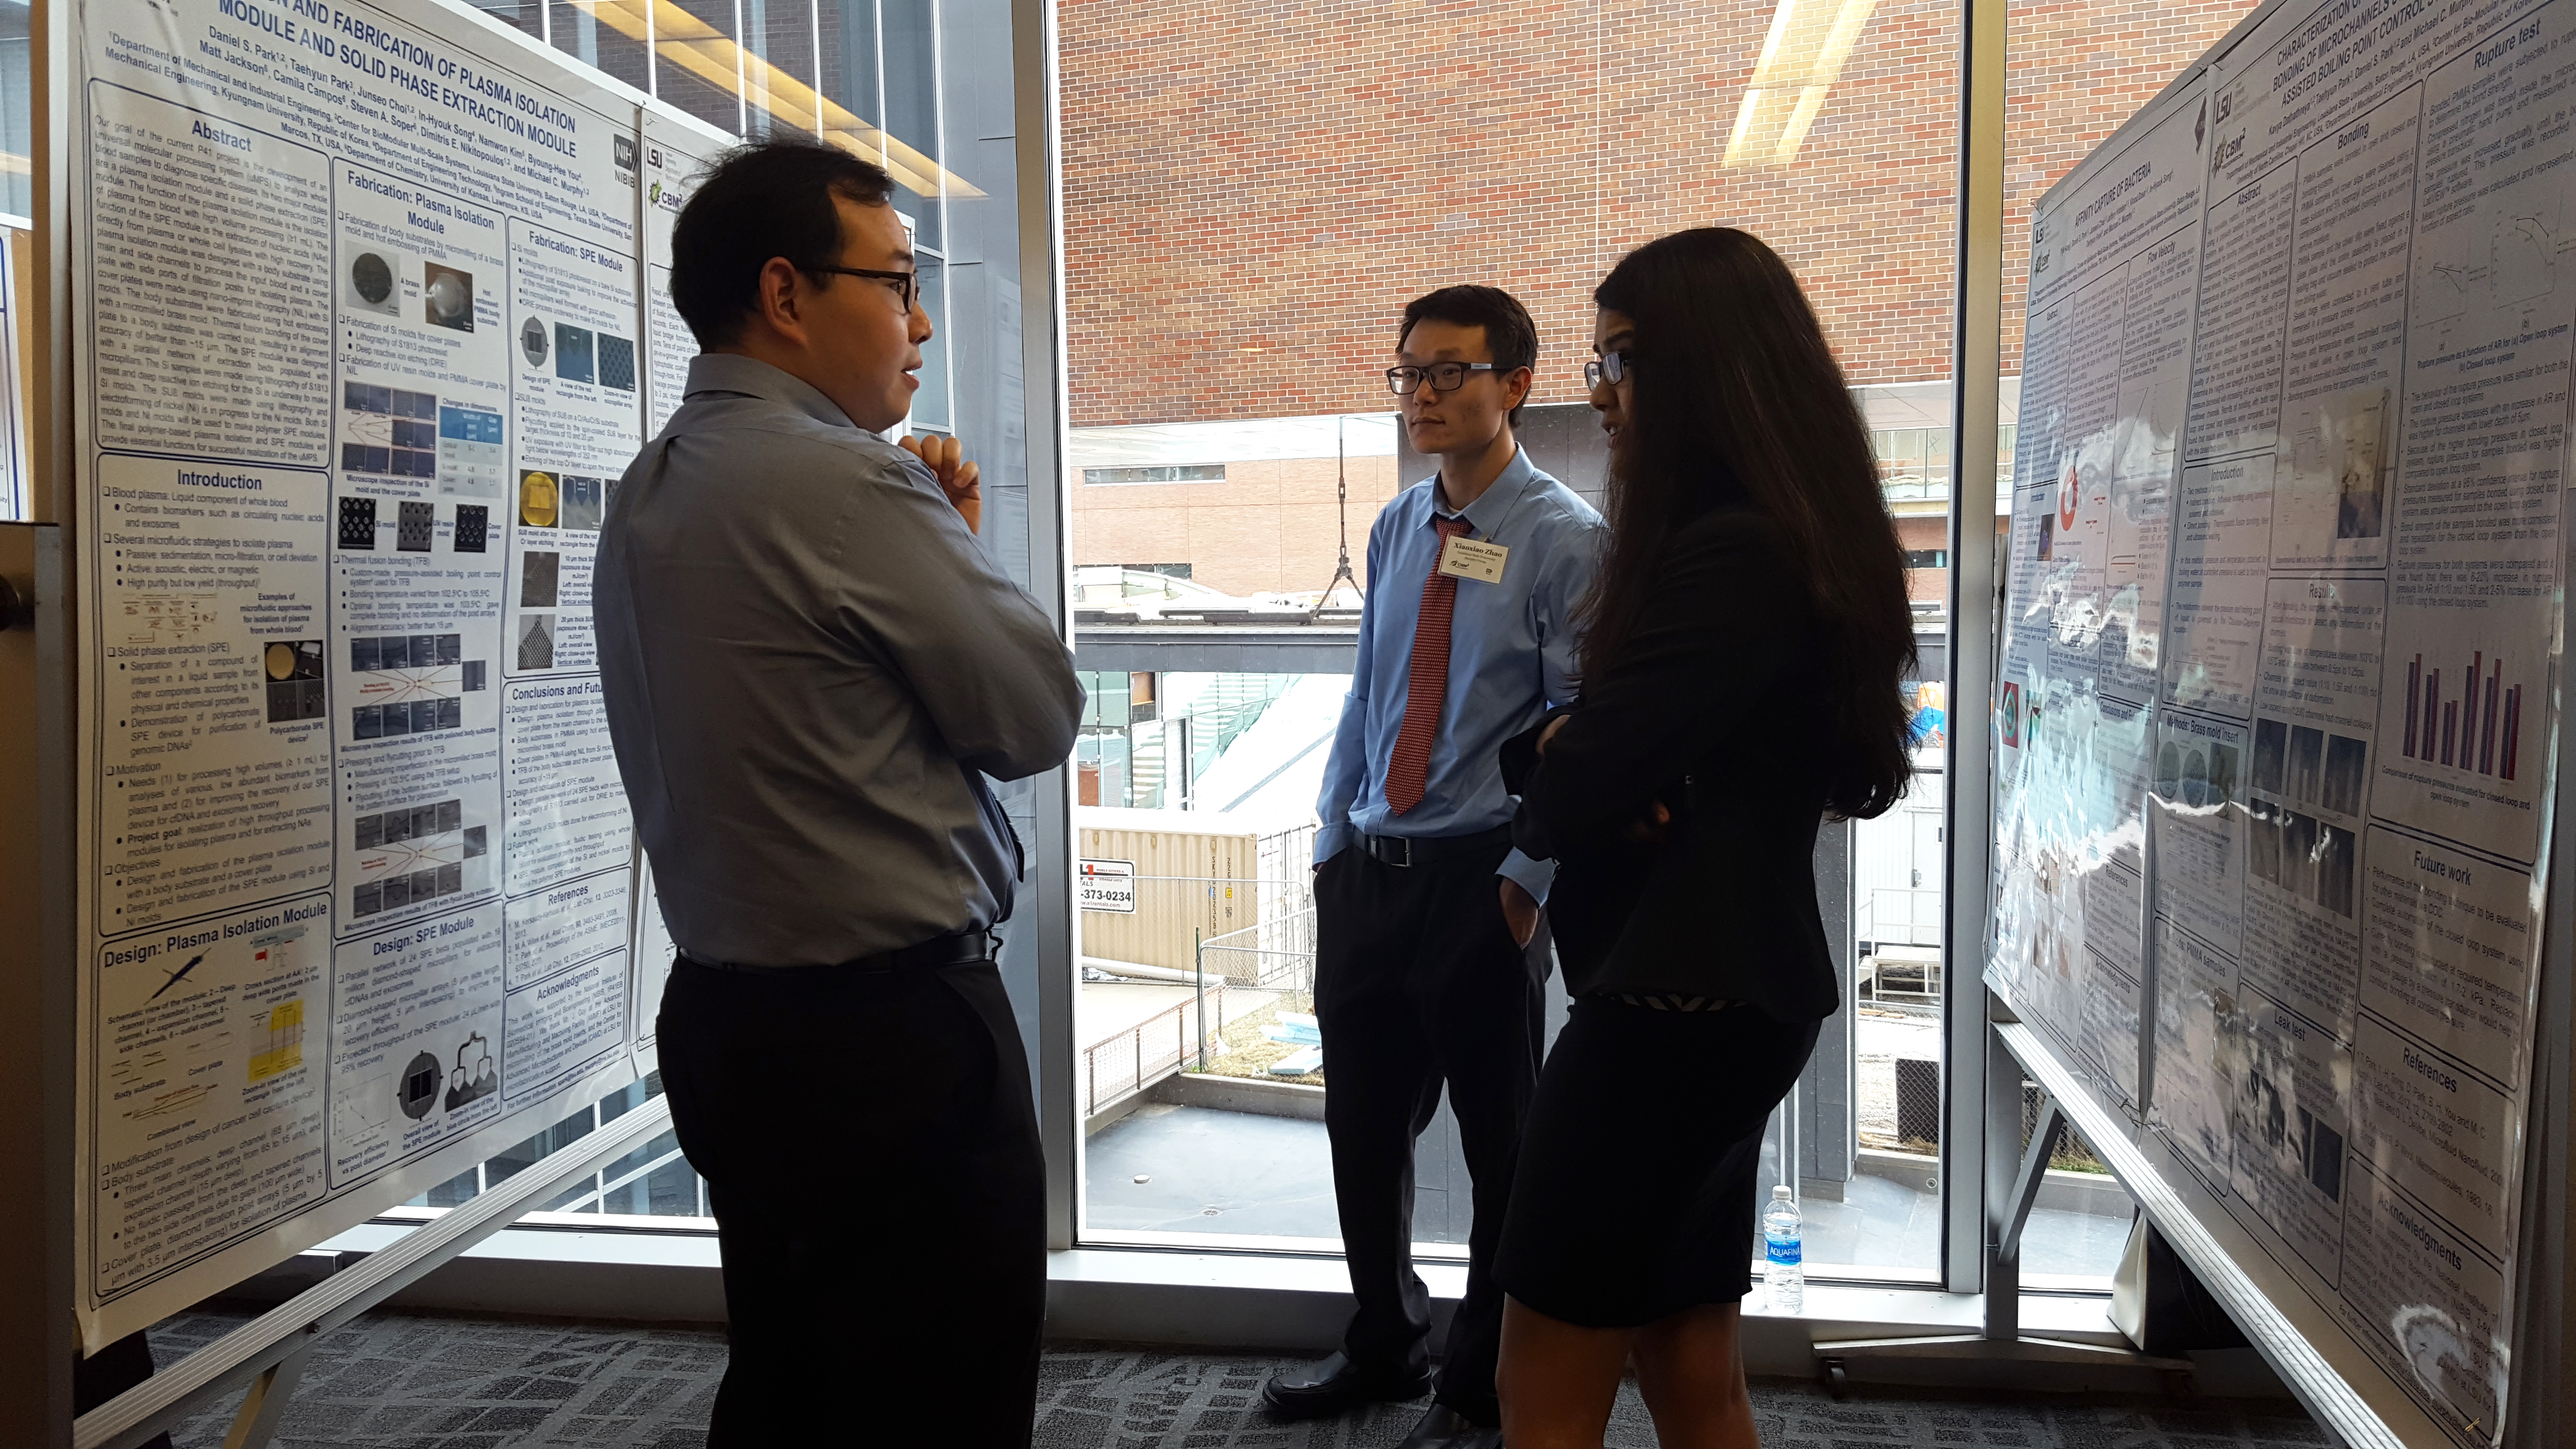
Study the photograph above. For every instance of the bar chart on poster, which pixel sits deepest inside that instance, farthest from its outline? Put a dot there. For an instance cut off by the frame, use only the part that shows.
(360, 306)
(2281, 681)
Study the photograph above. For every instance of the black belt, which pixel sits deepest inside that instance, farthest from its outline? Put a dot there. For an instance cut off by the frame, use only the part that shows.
(1403, 850)
(948, 950)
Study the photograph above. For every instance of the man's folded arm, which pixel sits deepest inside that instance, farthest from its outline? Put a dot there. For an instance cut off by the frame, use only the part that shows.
(981, 655)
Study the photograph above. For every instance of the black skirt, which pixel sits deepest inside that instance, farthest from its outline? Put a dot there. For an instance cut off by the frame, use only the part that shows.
(1635, 1194)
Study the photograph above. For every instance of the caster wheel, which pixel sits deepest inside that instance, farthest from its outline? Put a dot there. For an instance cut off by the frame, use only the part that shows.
(1837, 1382)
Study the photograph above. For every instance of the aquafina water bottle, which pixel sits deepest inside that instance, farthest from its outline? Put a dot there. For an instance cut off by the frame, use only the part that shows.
(1784, 1269)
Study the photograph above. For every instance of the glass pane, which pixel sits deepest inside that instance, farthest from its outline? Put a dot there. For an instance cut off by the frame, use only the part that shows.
(697, 66)
(848, 66)
(912, 97)
(930, 405)
(1195, 1011)
(460, 1188)
(780, 68)
(1230, 419)
(17, 119)
(527, 15)
(605, 34)
(673, 1191)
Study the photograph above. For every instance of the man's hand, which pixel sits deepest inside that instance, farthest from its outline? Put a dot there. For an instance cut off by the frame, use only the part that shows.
(959, 479)
(1520, 912)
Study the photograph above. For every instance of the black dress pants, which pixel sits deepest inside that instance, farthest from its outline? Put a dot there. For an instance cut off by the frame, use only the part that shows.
(871, 1153)
(1418, 982)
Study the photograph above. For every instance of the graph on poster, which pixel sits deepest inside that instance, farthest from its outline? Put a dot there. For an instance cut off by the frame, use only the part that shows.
(2266, 854)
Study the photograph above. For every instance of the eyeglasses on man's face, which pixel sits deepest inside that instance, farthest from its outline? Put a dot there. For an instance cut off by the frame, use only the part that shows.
(905, 285)
(1443, 376)
(1609, 367)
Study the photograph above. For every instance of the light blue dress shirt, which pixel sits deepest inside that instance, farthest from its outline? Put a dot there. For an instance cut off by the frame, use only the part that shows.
(1511, 658)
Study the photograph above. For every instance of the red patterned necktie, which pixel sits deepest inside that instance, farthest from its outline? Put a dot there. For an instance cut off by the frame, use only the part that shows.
(1426, 684)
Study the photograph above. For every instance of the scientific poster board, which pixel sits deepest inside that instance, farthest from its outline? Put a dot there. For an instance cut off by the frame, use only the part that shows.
(359, 307)
(2276, 724)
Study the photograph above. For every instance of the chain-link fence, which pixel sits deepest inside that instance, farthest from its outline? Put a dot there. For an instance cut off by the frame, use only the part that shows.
(1276, 954)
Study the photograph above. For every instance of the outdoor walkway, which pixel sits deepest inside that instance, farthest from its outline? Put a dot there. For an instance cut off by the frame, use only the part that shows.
(1233, 1172)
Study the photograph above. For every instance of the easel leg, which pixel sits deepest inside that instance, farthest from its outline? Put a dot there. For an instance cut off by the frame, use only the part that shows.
(265, 1402)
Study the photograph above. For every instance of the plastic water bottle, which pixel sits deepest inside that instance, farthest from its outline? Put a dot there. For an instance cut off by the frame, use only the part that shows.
(1784, 1268)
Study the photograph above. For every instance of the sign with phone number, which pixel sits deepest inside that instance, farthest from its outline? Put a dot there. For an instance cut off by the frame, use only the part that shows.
(1109, 885)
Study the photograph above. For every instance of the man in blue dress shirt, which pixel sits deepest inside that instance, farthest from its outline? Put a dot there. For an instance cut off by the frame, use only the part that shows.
(1424, 913)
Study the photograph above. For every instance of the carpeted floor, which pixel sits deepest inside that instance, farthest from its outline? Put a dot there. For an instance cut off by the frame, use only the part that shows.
(420, 1381)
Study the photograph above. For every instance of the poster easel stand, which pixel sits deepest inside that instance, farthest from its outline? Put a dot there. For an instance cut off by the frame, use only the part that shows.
(267, 1355)
(2001, 1353)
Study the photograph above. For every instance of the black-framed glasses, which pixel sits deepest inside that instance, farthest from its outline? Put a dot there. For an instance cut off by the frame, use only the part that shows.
(1443, 376)
(1609, 367)
(907, 285)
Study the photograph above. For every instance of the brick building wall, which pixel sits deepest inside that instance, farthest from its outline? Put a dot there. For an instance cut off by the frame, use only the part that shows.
(1252, 191)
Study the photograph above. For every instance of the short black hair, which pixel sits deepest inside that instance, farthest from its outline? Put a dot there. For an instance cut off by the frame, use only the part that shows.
(770, 198)
(1509, 333)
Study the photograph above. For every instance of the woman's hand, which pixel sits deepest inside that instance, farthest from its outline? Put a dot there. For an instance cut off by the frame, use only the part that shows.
(1652, 827)
(1549, 733)
(1520, 912)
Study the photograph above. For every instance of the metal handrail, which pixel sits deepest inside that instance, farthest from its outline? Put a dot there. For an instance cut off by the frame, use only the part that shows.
(1135, 1036)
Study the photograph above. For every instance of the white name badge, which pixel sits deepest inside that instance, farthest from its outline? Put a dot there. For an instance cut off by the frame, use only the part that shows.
(1465, 558)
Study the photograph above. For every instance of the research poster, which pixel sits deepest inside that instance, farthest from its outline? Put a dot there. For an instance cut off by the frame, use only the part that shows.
(2281, 682)
(674, 157)
(362, 309)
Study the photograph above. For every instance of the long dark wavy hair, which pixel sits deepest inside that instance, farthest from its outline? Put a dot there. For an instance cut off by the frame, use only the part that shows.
(1737, 399)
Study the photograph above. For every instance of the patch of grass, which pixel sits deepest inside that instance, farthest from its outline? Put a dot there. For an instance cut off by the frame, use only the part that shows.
(1249, 1054)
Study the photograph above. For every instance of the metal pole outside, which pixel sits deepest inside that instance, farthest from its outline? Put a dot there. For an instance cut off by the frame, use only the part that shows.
(1976, 365)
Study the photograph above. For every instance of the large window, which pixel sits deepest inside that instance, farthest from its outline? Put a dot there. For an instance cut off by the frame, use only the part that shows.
(1235, 365)
(1228, 320)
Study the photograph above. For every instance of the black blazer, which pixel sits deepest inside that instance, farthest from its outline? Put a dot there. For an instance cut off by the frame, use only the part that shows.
(1712, 711)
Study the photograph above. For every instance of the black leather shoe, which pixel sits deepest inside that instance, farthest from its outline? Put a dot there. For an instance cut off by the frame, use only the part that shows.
(1334, 1384)
(1446, 1428)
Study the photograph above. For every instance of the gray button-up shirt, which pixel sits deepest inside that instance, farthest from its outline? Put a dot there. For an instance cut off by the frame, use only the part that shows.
(807, 658)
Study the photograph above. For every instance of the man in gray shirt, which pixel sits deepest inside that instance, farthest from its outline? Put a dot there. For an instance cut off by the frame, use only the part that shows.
(810, 665)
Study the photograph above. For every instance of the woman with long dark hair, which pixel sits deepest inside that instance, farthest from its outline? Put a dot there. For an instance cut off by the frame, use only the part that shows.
(1746, 633)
